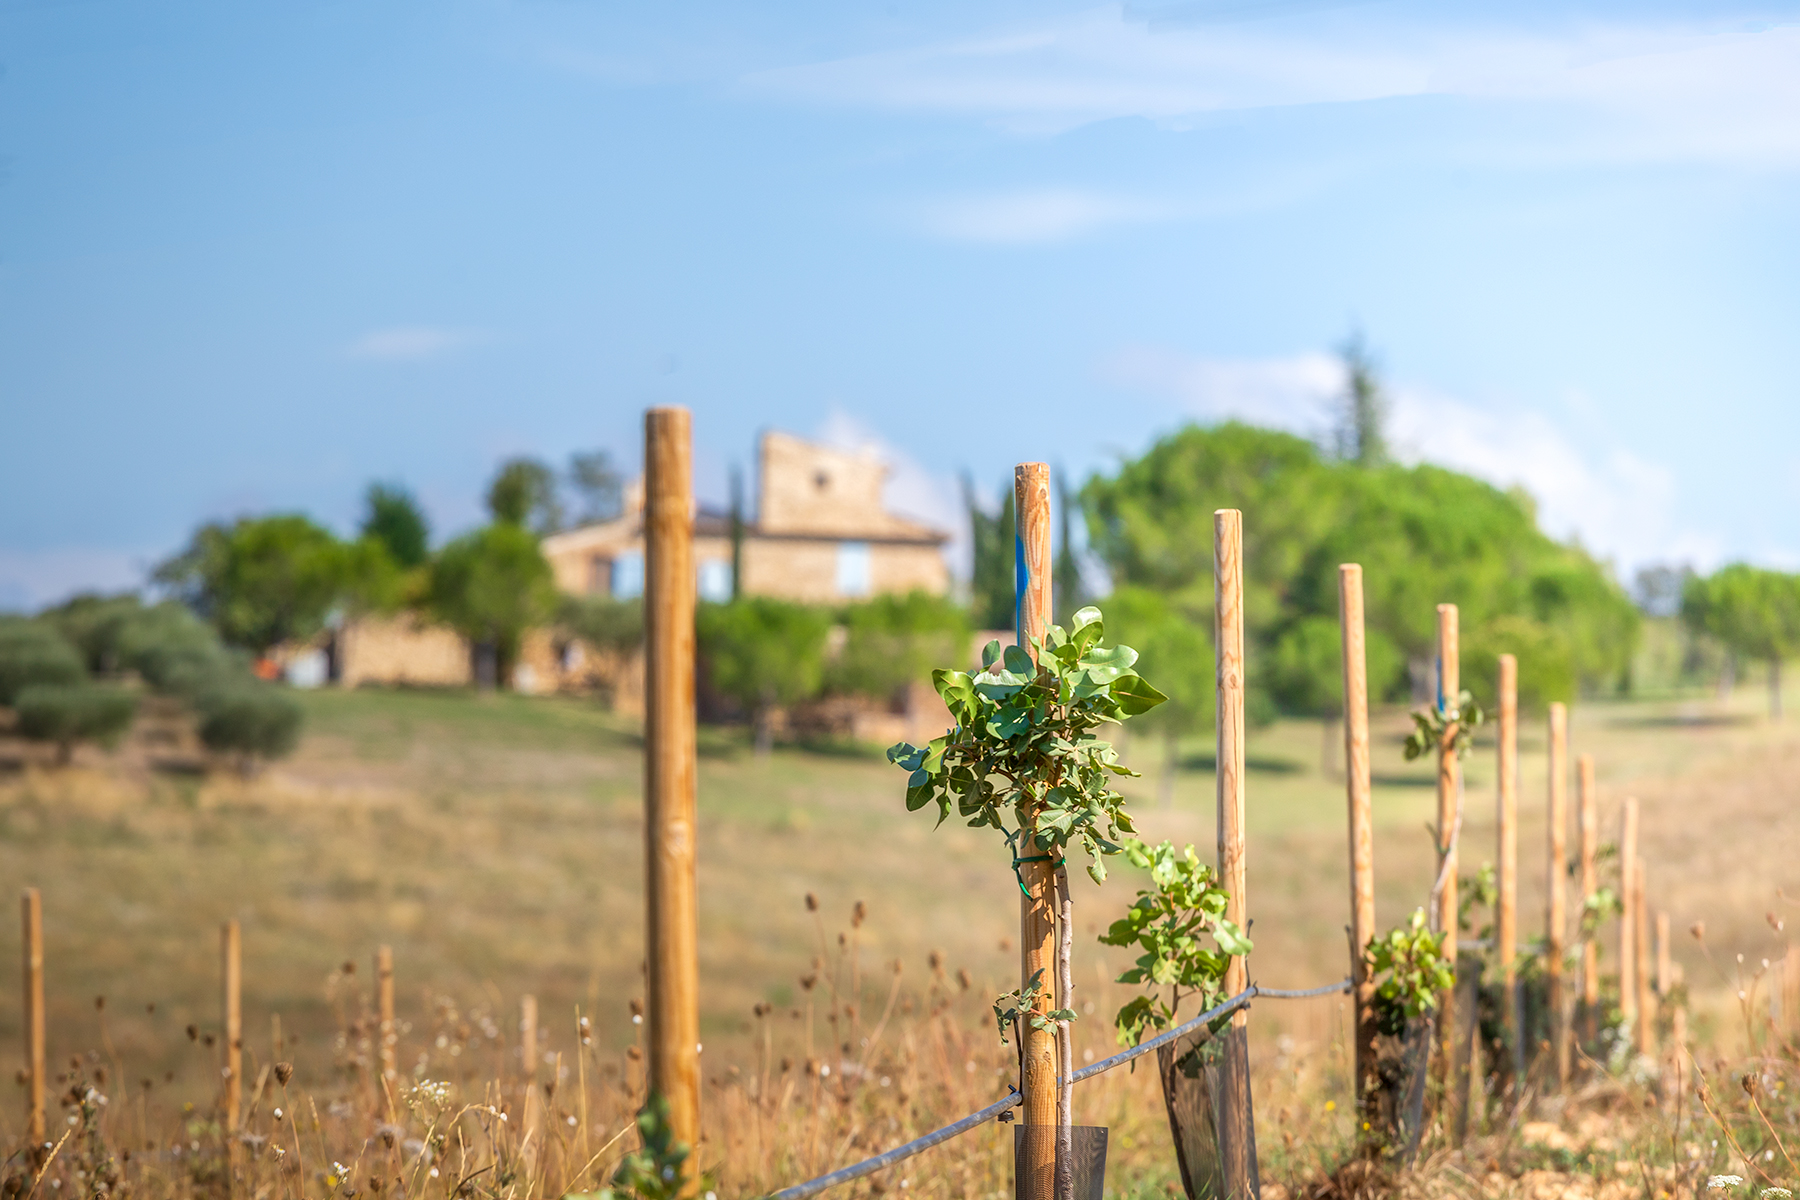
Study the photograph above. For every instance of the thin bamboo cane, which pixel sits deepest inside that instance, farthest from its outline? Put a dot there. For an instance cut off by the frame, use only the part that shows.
(389, 1049)
(1449, 786)
(1556, 917)
(32, 918)
(1037, 913)
(670, 772)
(1357, 792)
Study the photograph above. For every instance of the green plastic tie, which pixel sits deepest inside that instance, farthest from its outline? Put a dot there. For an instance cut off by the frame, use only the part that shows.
(1023, 890)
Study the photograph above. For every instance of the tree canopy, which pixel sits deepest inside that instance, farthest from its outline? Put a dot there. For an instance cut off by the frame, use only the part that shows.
(260, 580)
(1754, 612)
(491, 586)
(1422, 533)
(393, 518)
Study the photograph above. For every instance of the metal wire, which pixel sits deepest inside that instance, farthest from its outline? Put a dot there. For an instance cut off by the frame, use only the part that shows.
(901, 1153)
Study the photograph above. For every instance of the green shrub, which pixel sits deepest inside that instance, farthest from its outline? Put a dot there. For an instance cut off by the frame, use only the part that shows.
(32, 652)
(175, 651)
(764, 653)
(67, 713)
(603, 622)
(892, 641)
(250, 720)
(93, 624)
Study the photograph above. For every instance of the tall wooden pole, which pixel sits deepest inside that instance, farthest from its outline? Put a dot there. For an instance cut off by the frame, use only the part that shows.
(32, 919)
(1236, 1133)
(388, 1055)
(1646, 1001)
(1507, 927)
(1362, 838)
(231, 977)
(1037, 907)
(1449, 781)
(672, 953)
(1589, 805)
(1628, 831)
(1556, 920)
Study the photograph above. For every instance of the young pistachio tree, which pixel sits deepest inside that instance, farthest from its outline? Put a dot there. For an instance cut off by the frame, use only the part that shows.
(1024, 758)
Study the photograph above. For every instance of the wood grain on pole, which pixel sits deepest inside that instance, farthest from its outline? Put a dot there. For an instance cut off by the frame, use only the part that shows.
(1556, 917)
(1507, 926)
(1237, 1133)
(1628, 829)
(1448, 780)
(389, 1056)
(231, 973)
(1646, 1001)
(31, 907)
(670, 771)
(1357, 792)
(1037, 907)
(1588, 802)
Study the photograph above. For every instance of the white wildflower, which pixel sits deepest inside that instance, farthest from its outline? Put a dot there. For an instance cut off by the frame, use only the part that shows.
(1719, 1183)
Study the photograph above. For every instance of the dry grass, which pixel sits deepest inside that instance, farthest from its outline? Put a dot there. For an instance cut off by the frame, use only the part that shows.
(496, 844)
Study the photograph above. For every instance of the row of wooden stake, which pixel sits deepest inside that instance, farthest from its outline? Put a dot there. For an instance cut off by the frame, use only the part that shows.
(231, 1013)
(1637, 999)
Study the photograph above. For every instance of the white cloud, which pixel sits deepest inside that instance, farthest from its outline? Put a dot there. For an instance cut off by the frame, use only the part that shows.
(413, 343)
(1625, 91)
(1042, 215)
(1619, 505)
(912, 490)
(31, 579)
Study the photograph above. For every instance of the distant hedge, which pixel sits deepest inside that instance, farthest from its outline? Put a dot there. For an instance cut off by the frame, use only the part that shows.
(67, 713)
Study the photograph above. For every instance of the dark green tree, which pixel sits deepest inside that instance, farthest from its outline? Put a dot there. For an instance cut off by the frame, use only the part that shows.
(491, 586)
(250, 721)
(33, 652)
(260, 580)
(1175, 644)
(598, 484)
(1754, 612)
(174, 651)
(764, 654)
(93, 624)
(523, 493)
(393, 518)
(67, 713)
(1361, 431)
(991, 536)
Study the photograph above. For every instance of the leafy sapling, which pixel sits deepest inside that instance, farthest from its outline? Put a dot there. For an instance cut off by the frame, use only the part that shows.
(1412, 969)
(1431, 724)
(1170, 922)
(1024, 748)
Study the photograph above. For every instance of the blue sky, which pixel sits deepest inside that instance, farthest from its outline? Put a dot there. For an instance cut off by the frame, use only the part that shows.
(253, 256)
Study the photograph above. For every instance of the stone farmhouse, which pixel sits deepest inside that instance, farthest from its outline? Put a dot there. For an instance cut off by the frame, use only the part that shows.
(819, 534)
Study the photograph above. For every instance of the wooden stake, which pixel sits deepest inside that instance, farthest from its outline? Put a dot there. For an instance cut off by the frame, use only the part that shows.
(388, 1052)
(1664, 978)
(231, 977)
(1362, 838)
(1037, 907)
(1236, 1133)
(1628, 827)
(528, 1065)
(1448, 788)
(1507, 930)
(1589, 820)
(669, 773)
(1646, 1001)
(1556, 921)
(32, 913)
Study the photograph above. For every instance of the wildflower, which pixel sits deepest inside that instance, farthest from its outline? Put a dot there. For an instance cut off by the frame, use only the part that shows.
(1777, 1194)
(1331, 1106)
(1720, 1183)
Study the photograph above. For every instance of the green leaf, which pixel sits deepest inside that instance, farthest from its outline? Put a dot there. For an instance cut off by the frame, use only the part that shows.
(1018, 662)
(1135, 695)
(990, 654)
